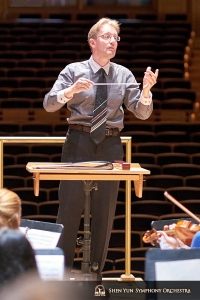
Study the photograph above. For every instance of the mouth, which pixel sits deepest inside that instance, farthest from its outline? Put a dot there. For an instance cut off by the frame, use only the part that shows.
(111, 48)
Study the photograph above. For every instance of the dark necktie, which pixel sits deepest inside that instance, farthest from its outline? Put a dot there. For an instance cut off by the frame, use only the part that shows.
(100, 110)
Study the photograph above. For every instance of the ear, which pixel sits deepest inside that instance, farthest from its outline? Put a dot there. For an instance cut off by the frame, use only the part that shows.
(92, 42)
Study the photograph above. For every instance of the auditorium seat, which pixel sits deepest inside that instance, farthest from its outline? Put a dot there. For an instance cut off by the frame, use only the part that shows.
(48, 72)
(53, 38)
(19, 148)
(171, 63)
(58, 63)
(38, 54)
(140, 222)
(9, 82)
(176, 93)
(169, 126)
(115, 253)
(138, 126)
(195, 137)
(150, 193)
(8, 63)
(37, 126)
(172, 137)
(21, 72)
(154, 148)
(8, 159)
(24, 46)
(177, 38)
(16, 102)
(181, 169)
(151, 207)
(172, 46)
(27, 194)
(139, 136)
(184, 192)
(31, 63)
(120, 208)
(29, 208)
(164, 181)
(117, 239)
(189, 148)
(139, 252)
(48, 208)
(46, 149)
(67, 54)
(53, 193)
(142, 63)
(13, 181)
(45, 46)
(195, 158)
(170, 72)
(31, 157)
(16, 170)
(29, 133)
(146, 54)
(143, 158)
(191, 204)
(175, 83)
(9, 127)
(11, 54)
(172, 158)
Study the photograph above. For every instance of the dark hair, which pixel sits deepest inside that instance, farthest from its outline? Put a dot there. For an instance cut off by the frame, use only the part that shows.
(17, 255)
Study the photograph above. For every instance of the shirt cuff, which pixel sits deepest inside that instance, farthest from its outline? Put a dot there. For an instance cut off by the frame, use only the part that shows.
(61, 97)
(146, 101)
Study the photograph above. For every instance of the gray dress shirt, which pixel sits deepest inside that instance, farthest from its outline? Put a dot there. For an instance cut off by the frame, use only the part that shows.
(81, 104)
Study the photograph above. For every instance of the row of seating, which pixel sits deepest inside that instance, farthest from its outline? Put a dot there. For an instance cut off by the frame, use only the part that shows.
(62, 58)
(129, 126)
(53, 72)
(50, 193)
(160, 159)
(148, 147)
(148, 207)
(21, 82)
(72, 51)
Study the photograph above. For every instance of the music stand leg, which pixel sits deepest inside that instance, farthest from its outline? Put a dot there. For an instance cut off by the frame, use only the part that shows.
(86, 267)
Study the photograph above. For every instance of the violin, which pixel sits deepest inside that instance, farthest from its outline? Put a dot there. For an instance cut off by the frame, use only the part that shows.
(183, 229)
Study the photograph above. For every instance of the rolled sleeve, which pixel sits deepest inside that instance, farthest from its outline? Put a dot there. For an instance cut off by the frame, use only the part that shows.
(61, 97)
(146, 101)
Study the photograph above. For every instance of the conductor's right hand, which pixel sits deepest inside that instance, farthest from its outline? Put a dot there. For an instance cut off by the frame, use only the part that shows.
(82, 84)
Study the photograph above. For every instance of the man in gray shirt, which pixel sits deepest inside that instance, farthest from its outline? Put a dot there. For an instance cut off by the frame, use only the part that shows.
(76, 87)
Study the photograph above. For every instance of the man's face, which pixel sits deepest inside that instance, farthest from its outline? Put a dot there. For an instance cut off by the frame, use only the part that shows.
(105, 45)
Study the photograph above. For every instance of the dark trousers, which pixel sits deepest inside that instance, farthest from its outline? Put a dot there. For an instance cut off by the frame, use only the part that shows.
(79, 147)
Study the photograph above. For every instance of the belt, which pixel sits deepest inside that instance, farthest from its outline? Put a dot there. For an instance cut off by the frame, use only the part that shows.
(109, 131)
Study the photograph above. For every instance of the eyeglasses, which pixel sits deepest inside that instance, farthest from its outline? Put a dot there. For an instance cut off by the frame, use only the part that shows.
(108, 37)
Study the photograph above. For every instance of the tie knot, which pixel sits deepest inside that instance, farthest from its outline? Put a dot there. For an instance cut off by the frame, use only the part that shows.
(101, 72)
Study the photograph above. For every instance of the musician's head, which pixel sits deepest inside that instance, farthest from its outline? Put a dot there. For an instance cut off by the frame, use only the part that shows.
(10, 209)
(17, 256)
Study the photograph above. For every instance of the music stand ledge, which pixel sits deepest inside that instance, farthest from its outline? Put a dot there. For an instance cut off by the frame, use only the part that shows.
(55, 171)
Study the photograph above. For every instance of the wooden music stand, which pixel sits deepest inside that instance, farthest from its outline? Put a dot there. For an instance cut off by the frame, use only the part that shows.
(58, 171)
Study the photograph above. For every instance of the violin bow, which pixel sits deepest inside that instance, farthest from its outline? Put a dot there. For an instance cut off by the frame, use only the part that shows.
(172, 199)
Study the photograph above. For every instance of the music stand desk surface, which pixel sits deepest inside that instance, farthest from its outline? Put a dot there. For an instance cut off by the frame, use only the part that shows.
(51, 171)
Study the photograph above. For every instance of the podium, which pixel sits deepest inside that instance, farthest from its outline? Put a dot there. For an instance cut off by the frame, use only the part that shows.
(57, 171)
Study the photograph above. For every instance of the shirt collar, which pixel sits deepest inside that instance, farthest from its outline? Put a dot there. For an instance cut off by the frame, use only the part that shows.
(95, 66)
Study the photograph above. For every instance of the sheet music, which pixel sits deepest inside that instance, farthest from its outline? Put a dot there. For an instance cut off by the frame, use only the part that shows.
(40, 239)
(50, 267)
